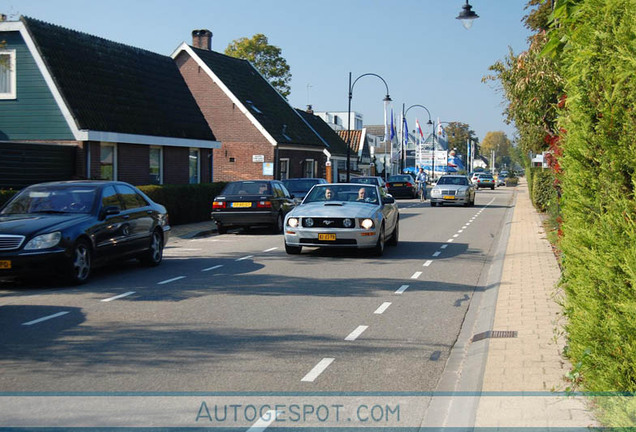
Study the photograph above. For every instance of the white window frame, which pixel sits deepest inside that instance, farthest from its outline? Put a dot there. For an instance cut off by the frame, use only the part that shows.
(160, 148)
(198, 152)
(286, 173)
(114, 146)
(13, 93)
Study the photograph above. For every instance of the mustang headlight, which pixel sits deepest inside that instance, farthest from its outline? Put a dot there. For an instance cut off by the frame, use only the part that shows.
(347, 223)
(367, 224)
(292, 222)
(44, 241)
(309, 222)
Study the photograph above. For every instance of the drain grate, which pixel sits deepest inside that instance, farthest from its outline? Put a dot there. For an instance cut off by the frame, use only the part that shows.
(494, 334)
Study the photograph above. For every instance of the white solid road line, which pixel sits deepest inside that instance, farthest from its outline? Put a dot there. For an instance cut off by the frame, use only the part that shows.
(318, 369)
(245, 258)
(39, 320)
(119, 296)
(212, 268)
(428, 263)
(402, 289)
(416, 275)
(384, 306)
(270, 249)
(264, 422)
(356, 333)
(171, 280)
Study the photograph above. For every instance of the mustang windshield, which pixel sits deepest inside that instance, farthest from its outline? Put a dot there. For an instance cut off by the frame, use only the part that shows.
(340, 193)
(76, 199)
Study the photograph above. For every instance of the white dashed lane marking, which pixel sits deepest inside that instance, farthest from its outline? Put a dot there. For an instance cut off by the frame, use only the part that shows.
(46, 318)
(318, 369)
(384, 306)
(402, 289)
(356, 333)
(212, 268)
(171, 280)
(119, 296)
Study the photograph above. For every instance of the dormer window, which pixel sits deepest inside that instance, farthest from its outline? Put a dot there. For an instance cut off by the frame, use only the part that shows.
(251, 105)
(7, 74)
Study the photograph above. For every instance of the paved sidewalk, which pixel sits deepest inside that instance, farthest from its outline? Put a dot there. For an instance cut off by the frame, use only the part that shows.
(527, 303)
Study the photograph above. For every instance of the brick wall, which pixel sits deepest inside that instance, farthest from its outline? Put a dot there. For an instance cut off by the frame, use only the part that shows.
(133, 164)
(240, 139)
(297, 159)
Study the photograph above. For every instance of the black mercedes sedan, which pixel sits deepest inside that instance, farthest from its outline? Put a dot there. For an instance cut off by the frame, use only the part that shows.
(252, 202)
(72, 227)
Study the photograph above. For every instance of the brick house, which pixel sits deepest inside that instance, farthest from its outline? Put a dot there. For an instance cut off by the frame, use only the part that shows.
(73, 105)
(262, 136)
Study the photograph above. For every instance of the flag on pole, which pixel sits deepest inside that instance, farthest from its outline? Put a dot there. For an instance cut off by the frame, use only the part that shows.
(392, 126)
(419, 128)
(440, 130)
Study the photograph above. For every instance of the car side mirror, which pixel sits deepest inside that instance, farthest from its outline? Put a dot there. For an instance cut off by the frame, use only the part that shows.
(110, 211)
(388, 200)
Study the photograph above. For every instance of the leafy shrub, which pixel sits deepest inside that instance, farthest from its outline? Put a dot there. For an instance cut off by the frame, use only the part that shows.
(185, 203)
(512, 181)
(544, 195)
(6, 195)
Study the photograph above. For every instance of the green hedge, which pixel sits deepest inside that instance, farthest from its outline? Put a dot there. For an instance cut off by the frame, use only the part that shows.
(543, 193)
(6, 195)
(185, 203)
(599, 198)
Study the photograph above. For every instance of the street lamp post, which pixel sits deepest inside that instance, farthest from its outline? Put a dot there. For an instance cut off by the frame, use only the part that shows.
(467, 16)
(402, 146)
(386, 100)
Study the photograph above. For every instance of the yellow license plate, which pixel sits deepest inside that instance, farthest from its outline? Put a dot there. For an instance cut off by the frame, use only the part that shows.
(5, 264)
(398, 184)
(241, 204)
(327, 237)
(449, 196)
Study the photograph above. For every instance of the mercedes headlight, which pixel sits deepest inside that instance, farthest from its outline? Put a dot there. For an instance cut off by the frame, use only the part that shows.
(44, 241)
(435, 192)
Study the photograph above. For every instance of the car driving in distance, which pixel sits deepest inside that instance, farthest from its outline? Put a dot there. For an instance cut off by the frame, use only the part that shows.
(485, 180)
(72, 227)
(344, 215)
(300, 186)
(453, 189)
(372, 180)
(402, 185)
(249, 203)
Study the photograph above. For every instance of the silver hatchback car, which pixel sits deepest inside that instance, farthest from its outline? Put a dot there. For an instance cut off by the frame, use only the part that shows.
(453, 189)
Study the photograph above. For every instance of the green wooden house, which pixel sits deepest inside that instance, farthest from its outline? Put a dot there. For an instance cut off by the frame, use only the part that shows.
(73, 105)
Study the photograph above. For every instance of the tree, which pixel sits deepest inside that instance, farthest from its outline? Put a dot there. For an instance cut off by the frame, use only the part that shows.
(500, 144)
(457, 135)
(266, 59)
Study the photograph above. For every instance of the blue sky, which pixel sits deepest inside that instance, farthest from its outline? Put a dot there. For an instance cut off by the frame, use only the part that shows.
(418, 47)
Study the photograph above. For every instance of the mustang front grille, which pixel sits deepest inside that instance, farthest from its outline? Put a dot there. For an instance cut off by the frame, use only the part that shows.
(328, 223)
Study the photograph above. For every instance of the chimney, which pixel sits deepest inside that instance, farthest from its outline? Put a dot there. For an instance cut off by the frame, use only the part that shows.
(310, 110)
(202, 39)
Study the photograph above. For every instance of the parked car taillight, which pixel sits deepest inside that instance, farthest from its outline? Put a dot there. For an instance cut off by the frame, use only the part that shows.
(264, 204)
(219, 204)
(408, 184)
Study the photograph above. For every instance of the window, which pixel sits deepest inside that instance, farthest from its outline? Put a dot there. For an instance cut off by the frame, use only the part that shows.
(7, 74)
(110, 198)
(195, 167)
(130, 197)
(284, 169)
(309, 168)
(156, 165)
(108, 161)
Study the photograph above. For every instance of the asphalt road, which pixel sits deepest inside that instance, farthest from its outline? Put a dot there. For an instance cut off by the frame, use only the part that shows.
(235, 313)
